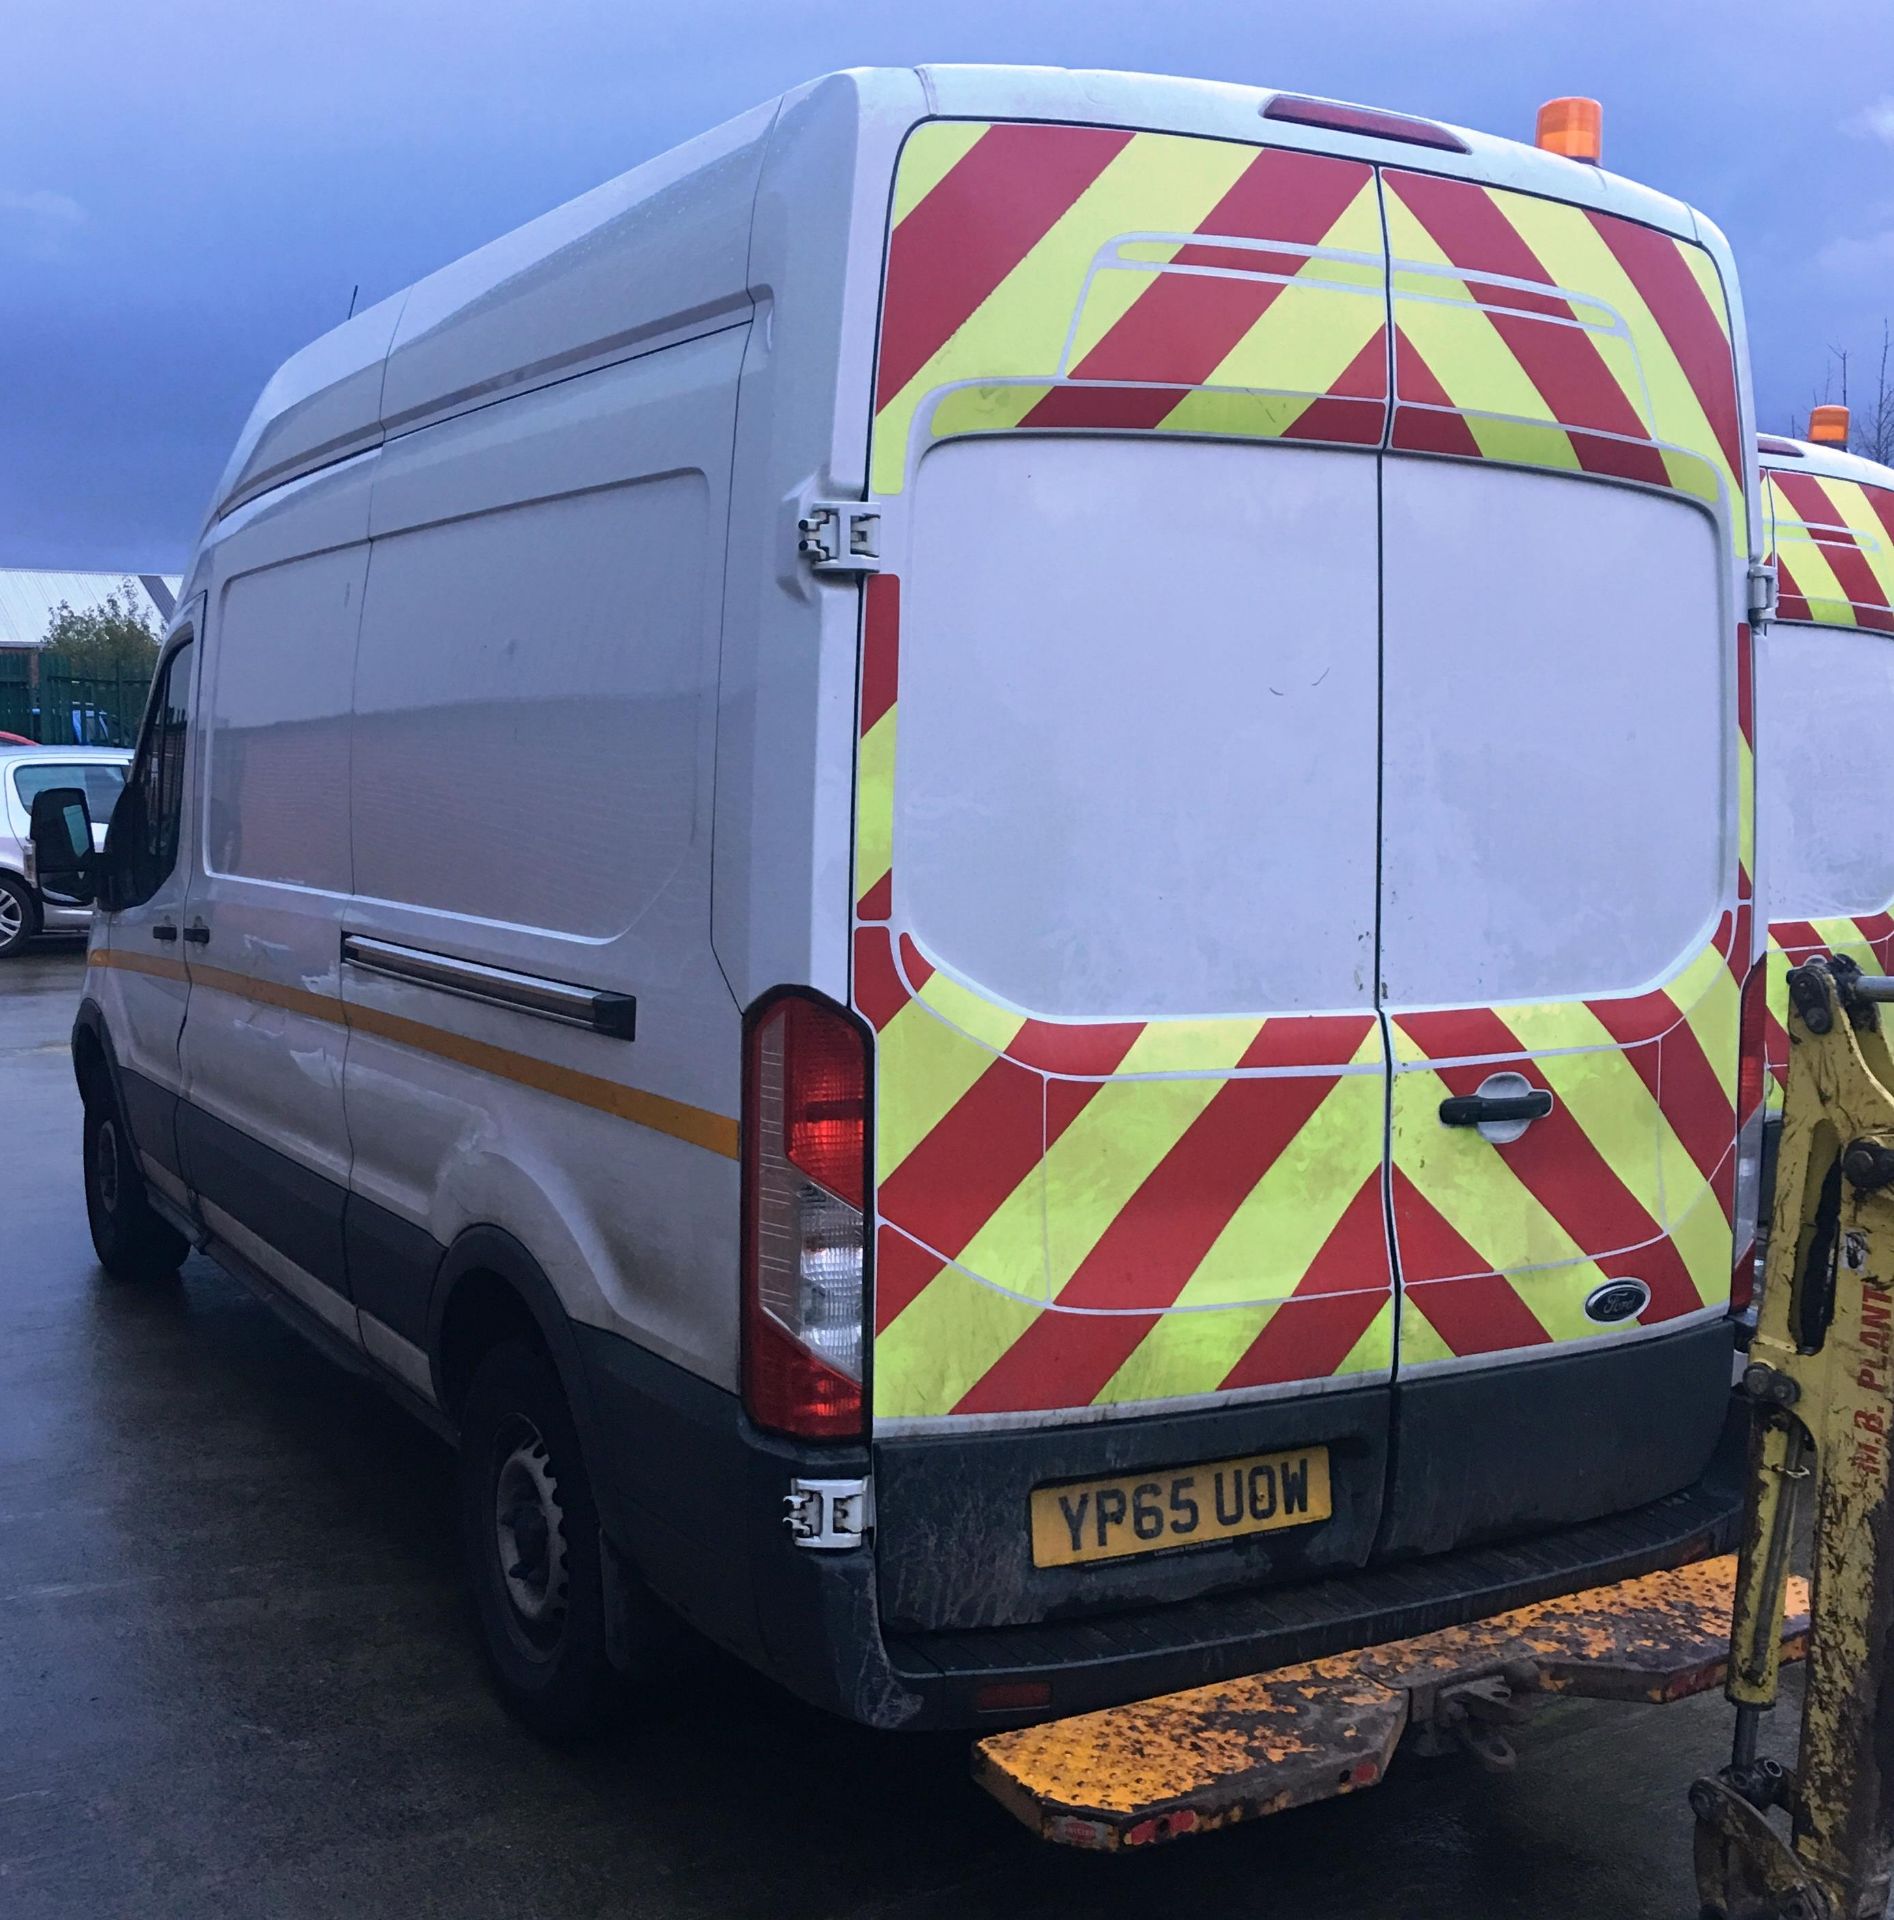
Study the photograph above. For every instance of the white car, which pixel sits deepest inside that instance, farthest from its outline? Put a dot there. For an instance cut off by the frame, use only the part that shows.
(25, 771)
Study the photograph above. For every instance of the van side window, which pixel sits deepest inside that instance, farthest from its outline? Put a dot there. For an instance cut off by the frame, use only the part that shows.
(148, 822)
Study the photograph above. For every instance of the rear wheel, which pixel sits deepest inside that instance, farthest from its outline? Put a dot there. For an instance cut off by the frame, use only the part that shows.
(131, 1241)
(529, 1533)
(19, 915)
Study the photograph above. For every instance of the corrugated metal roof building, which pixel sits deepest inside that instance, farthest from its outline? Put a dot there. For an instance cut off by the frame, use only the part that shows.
(28, 596)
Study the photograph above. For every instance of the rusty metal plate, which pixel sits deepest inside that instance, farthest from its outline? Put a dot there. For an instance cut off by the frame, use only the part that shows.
(1243, 1749)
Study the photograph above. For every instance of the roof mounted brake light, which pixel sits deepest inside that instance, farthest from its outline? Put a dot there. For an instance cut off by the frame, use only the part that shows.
(1335, 117)
(1828, 426)
(1573, 126)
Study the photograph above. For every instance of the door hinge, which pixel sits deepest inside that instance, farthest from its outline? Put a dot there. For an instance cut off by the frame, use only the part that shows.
(840, 536)
(1762, 591)
(829, 1514)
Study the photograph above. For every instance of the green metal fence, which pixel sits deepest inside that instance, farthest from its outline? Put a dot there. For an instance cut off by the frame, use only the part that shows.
(44, 699)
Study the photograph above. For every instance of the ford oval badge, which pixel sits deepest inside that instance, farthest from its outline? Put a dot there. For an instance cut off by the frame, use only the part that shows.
(1617, 1300)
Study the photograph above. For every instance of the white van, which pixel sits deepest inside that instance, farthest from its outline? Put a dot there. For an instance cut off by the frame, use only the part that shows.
(1829, 887)
(1216, 1144)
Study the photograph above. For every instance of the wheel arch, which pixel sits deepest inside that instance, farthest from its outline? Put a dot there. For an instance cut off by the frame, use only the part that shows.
(94, 1059)
(489, 1288)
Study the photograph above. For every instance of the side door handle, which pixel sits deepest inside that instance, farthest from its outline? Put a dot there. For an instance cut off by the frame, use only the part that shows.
(197, 934)
(164, 930)
(1499, 1109)
(1482, 1109)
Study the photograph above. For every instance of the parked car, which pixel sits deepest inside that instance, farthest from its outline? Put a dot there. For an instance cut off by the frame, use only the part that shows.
(25, 909)
(1221, 1144)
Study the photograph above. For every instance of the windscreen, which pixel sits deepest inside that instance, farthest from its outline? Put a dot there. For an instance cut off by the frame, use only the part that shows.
(1557, 702)
(1135, 772)
(1815, 688)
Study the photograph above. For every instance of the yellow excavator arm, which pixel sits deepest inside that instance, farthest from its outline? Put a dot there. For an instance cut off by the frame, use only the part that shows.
(1822, 1389)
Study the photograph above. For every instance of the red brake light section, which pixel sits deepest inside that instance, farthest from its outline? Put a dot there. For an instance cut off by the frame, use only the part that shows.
(1335, 117)
(1751, 1073)
(826, 1108)
(805, 1170)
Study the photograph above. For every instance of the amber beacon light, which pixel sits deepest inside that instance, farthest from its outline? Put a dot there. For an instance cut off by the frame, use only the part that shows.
(1574, 127)
(1828, 426)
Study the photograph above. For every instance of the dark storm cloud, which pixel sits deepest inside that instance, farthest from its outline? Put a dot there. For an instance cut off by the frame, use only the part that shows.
(189, 191)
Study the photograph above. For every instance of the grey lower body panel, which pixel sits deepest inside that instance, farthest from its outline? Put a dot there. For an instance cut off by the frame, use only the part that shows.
(693, 1494)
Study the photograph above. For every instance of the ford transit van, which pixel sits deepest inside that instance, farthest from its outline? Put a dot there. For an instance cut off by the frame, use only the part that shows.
(1827, 652)
(975, 867)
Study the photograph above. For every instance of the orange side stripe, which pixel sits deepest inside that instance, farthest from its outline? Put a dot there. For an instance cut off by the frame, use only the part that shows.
(714, 1132)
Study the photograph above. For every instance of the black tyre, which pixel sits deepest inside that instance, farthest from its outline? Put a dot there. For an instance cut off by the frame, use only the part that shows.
(529, 1533)
(131, 1241)
(19, 915)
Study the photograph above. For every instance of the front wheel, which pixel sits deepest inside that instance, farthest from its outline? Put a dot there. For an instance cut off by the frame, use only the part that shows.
(132, 1243)
(529, 1533)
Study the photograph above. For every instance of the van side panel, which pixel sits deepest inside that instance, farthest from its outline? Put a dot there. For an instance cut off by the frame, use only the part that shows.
(533, 744)
(262, 1129)
(786, 693)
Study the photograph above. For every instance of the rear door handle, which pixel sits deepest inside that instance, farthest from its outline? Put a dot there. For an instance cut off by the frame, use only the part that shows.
(1483, 1109)
(197, 934)
(164, 930)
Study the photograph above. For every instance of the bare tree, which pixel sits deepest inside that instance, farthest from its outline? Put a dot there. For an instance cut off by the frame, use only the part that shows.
(1871, 424)
(1873, 438)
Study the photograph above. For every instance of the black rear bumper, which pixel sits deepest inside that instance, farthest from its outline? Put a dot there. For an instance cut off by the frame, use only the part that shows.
(694, 1496)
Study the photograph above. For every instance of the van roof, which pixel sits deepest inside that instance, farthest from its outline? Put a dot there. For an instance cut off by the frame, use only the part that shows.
(661, 253)
(1781, 454)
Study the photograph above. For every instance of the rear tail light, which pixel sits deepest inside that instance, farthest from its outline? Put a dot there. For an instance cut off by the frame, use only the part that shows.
(805, 1164)
(1750, 1083)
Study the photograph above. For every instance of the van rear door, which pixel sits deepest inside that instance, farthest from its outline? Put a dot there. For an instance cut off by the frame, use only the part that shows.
(1565, 855)
(1239, 729)
(1115, 871)
(1554, 926)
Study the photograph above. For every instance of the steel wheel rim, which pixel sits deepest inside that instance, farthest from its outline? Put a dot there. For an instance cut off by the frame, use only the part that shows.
(105, 1166)
(529, 1537)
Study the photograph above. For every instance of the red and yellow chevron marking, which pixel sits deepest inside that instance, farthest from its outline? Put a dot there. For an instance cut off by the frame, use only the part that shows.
(1076, 1216)
(1089, 277)
(1865, 938)
(1079, 1215)
(1630, 1175)
(1833, 545)
(1550, 335)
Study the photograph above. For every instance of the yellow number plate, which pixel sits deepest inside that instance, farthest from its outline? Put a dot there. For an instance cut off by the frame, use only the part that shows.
(1179, 1507)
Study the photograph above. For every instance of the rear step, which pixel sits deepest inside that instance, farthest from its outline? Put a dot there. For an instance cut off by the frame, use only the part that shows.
(1187, 1762)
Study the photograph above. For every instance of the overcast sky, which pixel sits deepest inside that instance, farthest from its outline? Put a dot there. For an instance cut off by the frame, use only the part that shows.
(190, 189)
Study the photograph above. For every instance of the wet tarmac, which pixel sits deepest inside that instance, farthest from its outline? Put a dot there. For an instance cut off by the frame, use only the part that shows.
(237, 1678)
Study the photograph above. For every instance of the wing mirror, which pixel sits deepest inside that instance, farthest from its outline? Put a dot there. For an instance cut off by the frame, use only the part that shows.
(63, 861)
